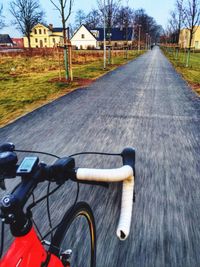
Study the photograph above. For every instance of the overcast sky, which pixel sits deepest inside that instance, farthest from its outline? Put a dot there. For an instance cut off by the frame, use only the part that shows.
(158, 9)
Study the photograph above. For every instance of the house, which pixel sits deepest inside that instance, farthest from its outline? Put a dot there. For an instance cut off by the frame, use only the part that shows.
(45, 36)
(184, 38)
(85, 38)
(5, 40)
(18, 42)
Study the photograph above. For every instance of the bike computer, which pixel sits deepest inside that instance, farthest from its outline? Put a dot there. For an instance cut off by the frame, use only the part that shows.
(27, 165)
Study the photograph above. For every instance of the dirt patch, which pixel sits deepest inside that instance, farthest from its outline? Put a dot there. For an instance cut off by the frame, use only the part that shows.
(195, 87)
(83, 81)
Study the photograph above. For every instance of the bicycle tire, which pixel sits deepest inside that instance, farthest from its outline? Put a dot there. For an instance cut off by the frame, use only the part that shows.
(80, 209)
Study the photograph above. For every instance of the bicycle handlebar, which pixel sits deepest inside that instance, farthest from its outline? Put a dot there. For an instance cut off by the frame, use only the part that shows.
(124, 174)
(64, 169)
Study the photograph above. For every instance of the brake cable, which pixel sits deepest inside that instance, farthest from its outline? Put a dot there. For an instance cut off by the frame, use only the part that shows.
(55, 227)
(36, 152)
(95, 153)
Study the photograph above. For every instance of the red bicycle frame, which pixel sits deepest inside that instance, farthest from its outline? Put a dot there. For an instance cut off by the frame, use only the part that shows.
(27, 251)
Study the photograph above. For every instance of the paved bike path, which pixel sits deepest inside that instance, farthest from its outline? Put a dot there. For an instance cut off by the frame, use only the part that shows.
(147, 105)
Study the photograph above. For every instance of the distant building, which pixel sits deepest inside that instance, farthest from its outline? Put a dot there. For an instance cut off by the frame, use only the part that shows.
(184, 38)
(85, 38)
(5, 40)
(45, 36)
(18, 42)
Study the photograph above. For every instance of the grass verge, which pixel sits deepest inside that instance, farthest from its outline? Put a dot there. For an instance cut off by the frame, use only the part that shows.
(191, 73)
(29, 82)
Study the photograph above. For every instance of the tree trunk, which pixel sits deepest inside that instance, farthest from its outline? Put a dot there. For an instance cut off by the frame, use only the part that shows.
(65, 47)
(191, 35)
(29, 41)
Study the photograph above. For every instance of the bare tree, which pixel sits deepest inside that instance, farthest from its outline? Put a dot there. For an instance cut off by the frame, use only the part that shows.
(176, 20)
(1, 17)
(64, 7)
(145, 24)
(111, 8)
(124, 17)
(180, 15)
(27, 14)
(80, 18)
(93, 19)
(71, 29)
(192, 17)
(173, 26)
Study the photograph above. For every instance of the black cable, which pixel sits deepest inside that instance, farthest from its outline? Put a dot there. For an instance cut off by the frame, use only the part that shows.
(48, 210)
(38, 231)
(33, 219)
(15, 188)
(42, 198)
(59, 224)
(2, 239)
(77, 193)
(95, 153)
(37, 152)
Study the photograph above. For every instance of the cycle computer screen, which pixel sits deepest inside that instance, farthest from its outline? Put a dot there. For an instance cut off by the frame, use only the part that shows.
(27, 165)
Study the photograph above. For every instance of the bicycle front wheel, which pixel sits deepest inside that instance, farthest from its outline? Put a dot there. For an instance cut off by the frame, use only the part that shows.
(77, 232)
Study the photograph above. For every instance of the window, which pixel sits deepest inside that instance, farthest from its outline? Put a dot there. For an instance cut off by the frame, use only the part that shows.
(95, 33)
(36, 40)
(196, 44)
(54, 40)
(45, 40)
(44, 31)
(40, 31)
(83, 36)
(35, 31)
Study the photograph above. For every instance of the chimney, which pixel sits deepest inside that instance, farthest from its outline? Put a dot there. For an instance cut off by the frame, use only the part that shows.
(51, 27)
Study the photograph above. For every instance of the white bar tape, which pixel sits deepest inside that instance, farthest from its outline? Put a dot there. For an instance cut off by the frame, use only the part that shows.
(104, 175)
(124, 174)
(124, 224)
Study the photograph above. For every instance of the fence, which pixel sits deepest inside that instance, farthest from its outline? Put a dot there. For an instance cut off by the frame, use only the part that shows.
(185, 57)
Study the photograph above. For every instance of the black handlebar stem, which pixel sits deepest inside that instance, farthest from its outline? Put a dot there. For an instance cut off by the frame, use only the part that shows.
(12, 213)
(61, 170)
(12, 205)
(7, 147)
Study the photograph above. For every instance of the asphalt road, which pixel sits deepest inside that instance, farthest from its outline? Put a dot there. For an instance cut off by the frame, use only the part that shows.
(144, 104)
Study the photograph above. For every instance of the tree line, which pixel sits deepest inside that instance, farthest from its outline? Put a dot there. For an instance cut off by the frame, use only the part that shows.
(186, 14)
(117, 15)
(27, 13)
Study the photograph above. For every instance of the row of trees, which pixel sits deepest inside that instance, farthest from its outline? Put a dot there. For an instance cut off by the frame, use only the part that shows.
(120, 16)
(186, 14)
(1, 17)
(27, 13)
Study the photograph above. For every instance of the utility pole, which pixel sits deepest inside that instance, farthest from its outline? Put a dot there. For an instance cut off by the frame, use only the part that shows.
(104, 38)
(149, 41)
(139, 37)
(146, 40)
